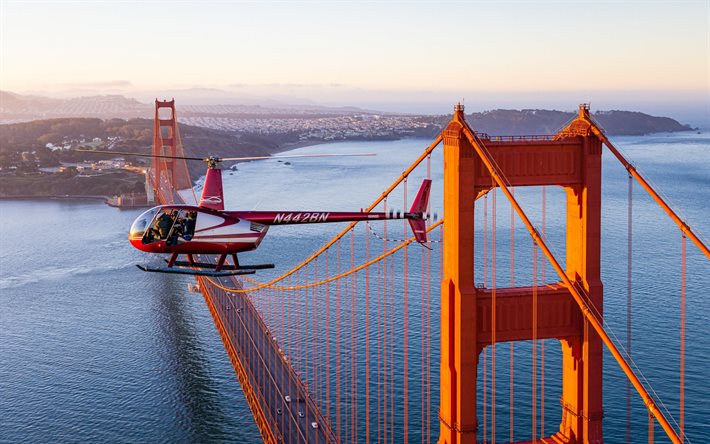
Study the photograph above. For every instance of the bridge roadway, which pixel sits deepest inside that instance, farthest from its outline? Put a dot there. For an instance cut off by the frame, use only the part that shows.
(271, 376)
(267, 370)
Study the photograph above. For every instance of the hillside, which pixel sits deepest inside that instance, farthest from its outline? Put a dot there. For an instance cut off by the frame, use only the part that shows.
(37, 157)
(507, 122)
(17, 107)
(29, 167)
(23, 143)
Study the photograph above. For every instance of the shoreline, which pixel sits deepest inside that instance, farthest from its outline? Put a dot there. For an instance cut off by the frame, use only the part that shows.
(296, 145)
(277, 150)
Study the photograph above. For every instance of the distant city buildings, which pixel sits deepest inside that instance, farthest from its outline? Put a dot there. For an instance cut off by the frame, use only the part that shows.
(336, 127)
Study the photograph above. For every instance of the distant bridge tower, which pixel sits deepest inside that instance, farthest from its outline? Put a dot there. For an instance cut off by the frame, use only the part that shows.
(167, 175)
(572, 160)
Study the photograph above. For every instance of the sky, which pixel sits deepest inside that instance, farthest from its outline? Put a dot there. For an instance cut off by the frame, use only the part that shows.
(405, 55)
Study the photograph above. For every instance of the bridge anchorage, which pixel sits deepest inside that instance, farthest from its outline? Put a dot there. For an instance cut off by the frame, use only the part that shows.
(318, 383)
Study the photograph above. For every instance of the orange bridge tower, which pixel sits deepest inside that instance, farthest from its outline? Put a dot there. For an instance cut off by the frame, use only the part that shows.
(167, 175)
(570, 159)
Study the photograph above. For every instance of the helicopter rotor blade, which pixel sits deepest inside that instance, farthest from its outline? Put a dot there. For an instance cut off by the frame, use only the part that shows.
(292, 156)
(222, 159)
(125, 153)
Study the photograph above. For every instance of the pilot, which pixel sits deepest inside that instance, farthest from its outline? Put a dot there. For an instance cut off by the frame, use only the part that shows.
(178, 228)
(163, 225)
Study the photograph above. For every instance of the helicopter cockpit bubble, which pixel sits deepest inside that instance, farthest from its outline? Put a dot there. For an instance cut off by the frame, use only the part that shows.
(141, 223)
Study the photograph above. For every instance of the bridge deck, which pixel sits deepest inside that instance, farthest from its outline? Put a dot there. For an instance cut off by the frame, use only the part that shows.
(269, 374)
(263, 371)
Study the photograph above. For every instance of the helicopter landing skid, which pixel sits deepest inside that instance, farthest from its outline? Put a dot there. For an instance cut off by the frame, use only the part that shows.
(224, 267)
(191, 272)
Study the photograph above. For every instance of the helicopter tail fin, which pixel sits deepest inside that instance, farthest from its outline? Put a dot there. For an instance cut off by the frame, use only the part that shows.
(212, 195)
(418, 210)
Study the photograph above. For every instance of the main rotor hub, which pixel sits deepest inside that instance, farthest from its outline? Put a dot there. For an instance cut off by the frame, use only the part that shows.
(212, 161)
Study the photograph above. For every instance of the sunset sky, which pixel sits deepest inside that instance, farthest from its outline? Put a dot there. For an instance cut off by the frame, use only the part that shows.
(366, 53)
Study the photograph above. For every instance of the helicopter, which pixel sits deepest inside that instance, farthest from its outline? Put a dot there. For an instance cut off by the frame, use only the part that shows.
(207, 229)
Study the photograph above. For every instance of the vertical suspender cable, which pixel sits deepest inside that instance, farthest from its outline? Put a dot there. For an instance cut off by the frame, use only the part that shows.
(337, 348)
(392, 345)
(542, 342)
(385, 392)
(317, 330)
(428, 328)
(284, 300)
(485, 395)
(682, 336)
(270, 314)
(422, 350)
(353, 351)
(289, 311)
(534, 345)
(380, 412)
(405, 322)
(367, 336)
(650, 428)
(327, 339)
(427, 275)
(512, 343)
(308, 318)
(485, 240)
(298, 339)
(393, 313)
(494, 221)
(628, 300)
(485, 282)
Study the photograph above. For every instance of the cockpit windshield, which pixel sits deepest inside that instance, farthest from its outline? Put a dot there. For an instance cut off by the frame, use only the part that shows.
(171, 225)
(141, 223)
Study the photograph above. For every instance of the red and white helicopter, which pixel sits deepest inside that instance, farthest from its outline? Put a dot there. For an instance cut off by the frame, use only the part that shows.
(208, 229)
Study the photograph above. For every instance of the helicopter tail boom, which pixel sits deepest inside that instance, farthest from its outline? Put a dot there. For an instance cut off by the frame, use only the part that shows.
(417, 215)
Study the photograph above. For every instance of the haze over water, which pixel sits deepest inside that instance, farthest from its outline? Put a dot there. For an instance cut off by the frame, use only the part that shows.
(91, 349)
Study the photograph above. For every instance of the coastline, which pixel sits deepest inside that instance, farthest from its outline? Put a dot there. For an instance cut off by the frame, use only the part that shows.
(295, 145)
(107, 199)
(276, 150)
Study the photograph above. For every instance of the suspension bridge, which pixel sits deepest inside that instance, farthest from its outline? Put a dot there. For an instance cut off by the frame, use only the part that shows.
(322, 352)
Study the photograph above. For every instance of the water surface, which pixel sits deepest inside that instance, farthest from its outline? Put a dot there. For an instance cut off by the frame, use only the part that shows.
(91, 349)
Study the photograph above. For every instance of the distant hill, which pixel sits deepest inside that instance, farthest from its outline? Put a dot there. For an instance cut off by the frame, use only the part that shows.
(16, 107)
(509, 122)
(28, 147)
(132, 135)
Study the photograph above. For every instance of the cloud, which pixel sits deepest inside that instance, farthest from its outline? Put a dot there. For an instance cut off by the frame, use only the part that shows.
(108, 84)
(286, 85)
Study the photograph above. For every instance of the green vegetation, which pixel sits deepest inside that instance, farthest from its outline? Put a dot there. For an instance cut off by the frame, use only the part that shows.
(133, 135)
(510, 122)
(23, 151)
(71, 183)
(26, 148)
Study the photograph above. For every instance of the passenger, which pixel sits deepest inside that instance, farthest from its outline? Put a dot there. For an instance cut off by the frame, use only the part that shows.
(177, 231)
(190, 225)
